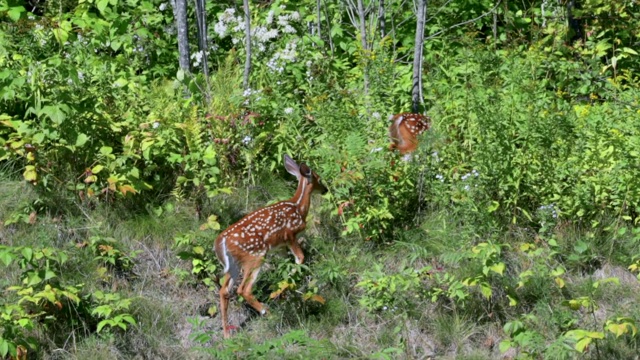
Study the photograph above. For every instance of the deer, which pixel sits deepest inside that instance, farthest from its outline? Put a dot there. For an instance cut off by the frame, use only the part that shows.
(243, 246)
(404, 131)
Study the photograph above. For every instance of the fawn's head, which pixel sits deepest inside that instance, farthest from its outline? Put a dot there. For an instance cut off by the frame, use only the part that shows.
(303, 171)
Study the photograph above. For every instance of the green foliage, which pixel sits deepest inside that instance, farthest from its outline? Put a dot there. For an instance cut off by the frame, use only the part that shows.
(44, 300)
(530, 167)
(111, 309)
(107, 253)
(292, 345)
(16, 323)
(397, 292)
(192, 246)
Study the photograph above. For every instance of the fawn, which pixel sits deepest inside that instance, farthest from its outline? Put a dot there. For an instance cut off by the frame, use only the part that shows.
(243, 245)
(404, 131)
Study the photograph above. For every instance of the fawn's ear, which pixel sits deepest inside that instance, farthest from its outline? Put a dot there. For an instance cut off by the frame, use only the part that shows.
(292, 167)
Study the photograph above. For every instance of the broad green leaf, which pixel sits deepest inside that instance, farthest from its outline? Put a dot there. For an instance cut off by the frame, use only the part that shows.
(27, 253)
(54, 112)
(96, 169)
(30, 173)
(15, 12)
(106, 150)
(121, 82)
(4, 348)
(101, 324)
(498, 268)
(102, 5)
(81, 140)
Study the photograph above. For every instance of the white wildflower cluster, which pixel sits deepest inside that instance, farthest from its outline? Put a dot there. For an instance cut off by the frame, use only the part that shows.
(262, 35)
(473, 174)
(440, 177)
(138, 48)
(284, 22)
(247, 140)
(309, 74)
(549, 209)
(162, 6)
(376, 115)
(248, 93)
(197, 57)
(288, 110)
(282, 57)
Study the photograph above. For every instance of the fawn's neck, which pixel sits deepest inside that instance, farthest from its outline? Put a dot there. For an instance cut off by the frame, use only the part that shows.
(302, 197)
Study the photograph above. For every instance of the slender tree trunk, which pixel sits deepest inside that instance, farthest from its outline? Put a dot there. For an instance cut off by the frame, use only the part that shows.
(180, 14)
(381, 19)
(201, 17)
(495, 25)
(416, 92)
(319, 15)
(365, 46)
(326, 14)
(247, 41)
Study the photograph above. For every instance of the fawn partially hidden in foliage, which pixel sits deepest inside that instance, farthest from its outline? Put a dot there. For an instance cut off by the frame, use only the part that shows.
(244, 244)
(404, 131)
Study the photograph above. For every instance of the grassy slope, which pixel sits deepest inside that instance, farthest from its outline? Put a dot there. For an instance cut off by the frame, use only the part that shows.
(167, 306)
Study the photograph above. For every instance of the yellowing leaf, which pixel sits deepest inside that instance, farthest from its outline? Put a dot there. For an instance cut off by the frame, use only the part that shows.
(559, 282)
(283, 285)
(314, 297)
(125, 189)
(30, 173)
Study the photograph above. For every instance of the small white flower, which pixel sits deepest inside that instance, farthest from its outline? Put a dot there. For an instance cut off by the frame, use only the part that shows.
(288, 110)
(247, 139)
(163, 6)
(155, 125)
(384, 308)
(467, 187)
(376, 115)
(440, 177)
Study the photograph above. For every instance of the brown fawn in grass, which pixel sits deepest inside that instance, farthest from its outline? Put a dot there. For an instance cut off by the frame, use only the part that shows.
(243, 246)
(404, 131)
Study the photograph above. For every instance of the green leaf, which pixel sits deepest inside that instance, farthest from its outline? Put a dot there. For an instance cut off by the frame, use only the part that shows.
(505, 345)
(27, 253)
(54, 112)
(102, 5)
(120, 83)
(49, 275)
(582, 344)
(101, 324)
(106, 150)
(15, 12)
(498, 268)
(81, 140)
(30, 173)
(96, 169)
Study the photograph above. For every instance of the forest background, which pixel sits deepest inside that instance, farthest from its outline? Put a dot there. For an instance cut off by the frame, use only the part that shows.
(133, 131)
